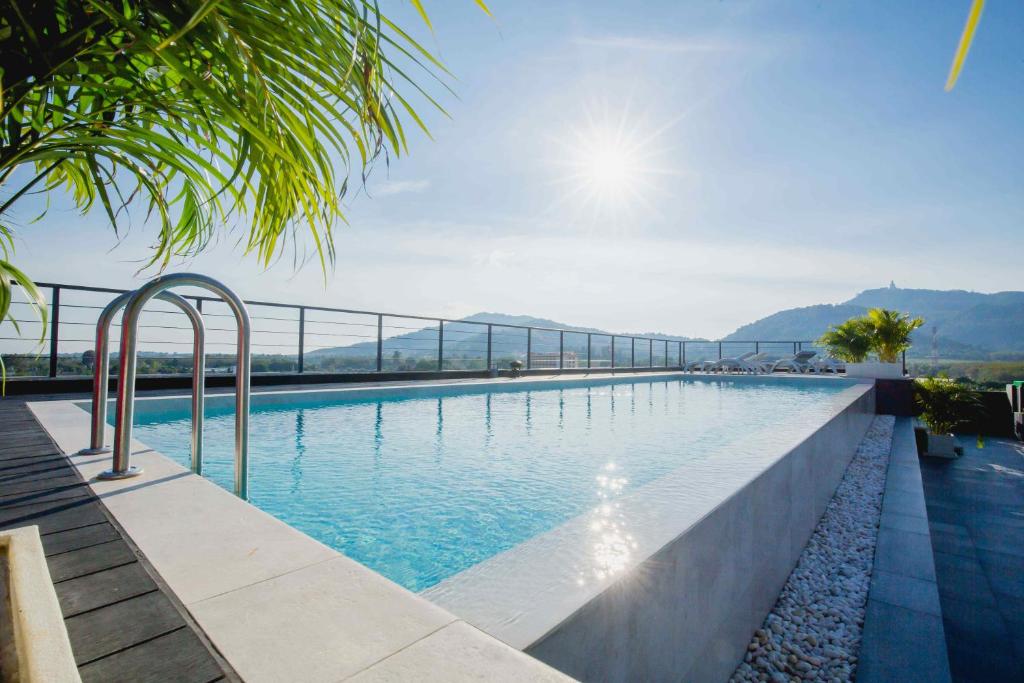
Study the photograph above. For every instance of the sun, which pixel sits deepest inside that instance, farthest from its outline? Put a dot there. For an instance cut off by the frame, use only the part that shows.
(609, 165)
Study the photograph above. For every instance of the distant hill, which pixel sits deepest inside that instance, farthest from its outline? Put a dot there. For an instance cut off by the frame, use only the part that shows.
(463, 339)
(968, 325)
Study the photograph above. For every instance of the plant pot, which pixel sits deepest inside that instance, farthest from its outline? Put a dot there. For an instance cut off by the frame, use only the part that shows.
(941, 446)
(874, 370)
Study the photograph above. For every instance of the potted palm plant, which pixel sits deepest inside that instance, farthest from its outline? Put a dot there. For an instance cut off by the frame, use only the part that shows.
(883, 332)
(945, 405)
(890, 337)
(849, 342)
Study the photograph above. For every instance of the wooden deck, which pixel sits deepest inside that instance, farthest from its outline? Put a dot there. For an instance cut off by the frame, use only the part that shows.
(123, 624)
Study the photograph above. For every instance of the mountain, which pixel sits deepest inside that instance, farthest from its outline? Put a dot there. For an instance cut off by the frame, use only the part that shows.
(463, 339)
(968, 325)
(965, 325)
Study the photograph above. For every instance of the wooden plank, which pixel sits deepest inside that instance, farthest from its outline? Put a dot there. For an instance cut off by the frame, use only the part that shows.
(50, 473)
(12, 489)
(17, 465)
(177, 656)
(116, 627)
(28, 454)
(56, 516)
(88, 560)
(103, 588)
(44, 467)
(70, 491)
(81, 537)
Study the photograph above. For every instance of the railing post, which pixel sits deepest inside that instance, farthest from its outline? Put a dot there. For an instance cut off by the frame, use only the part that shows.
(682, 354)
(719, 350)
(650, 353)
(380, 342)
(757, 347)
(54, 328)
(588, 350)
(440, 345)
(490, 329)
(612, 366)
(561, 349)
(904, 363)
(529, 346)
(794, 348)
(302, 339)
(666, 353)
(632, 352)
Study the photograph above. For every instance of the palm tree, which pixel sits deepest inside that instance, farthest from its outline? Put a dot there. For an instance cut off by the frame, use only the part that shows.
(850, 341)
(891, 332)
(204, 113)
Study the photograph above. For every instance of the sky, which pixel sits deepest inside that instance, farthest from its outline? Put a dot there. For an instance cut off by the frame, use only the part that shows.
(675, 167)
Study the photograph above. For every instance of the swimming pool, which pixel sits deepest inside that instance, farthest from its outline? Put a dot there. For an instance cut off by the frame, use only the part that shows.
(421, 484)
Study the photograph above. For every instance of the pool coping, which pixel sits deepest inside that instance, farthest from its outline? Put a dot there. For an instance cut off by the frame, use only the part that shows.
(276, 603)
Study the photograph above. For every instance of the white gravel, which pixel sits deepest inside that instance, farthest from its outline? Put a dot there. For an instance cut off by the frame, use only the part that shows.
(813, 632)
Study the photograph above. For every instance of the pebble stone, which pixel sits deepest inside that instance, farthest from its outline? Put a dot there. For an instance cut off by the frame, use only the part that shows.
(813, 632)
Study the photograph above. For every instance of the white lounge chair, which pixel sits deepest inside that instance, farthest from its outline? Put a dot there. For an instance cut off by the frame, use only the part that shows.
(758, 364)
(828, 364)
(799, 362)
(724, 364)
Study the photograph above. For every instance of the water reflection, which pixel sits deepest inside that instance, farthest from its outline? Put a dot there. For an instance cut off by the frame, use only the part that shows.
(611, 544)
(300, 448)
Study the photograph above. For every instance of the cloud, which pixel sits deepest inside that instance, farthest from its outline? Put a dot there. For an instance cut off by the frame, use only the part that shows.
(653, 44)
(391, 187)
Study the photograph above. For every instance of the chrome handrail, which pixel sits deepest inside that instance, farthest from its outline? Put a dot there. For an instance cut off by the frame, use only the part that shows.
(101, 374)
(121, 467)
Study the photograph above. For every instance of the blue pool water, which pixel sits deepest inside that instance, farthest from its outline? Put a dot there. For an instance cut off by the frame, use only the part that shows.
(420, 488)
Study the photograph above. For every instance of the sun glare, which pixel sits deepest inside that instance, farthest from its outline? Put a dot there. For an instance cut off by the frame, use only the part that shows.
(608, 167)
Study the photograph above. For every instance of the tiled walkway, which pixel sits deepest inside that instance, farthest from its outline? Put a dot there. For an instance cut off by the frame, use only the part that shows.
(123, 626)
(976, 516)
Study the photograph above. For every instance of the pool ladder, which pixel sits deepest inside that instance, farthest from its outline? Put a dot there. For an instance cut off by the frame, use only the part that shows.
(133, 303)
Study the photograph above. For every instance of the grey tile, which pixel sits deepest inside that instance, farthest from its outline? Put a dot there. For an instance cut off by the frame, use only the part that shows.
(901, 645)
(953, 529)
(904, 504)
(953, 544)
(905, 553)
(894, 520)
(905, 591)
(973, 623)
(965, 584)
(955, 562)
(983, 665)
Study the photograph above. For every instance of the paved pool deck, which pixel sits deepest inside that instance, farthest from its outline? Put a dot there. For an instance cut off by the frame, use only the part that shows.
(976, 519)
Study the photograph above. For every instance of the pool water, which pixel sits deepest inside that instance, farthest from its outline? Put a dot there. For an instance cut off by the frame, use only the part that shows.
(422, 487)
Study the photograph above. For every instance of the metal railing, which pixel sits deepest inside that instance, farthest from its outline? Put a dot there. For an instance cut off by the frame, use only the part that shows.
(306, 339)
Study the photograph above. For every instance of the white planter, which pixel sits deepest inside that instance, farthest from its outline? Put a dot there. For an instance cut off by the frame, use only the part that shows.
(874, 370)
(941, 445)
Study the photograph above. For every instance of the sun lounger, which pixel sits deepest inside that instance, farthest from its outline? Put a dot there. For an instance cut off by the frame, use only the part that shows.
(799, 362)
(725, 364)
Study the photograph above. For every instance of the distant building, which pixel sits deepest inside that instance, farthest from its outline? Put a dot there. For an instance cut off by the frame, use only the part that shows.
(892, 284)
(550, 360)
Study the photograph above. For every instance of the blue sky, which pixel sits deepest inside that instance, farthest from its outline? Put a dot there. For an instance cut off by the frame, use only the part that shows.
(779, 154)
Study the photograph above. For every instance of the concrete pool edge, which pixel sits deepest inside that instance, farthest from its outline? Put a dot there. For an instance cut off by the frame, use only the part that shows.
(277, 604)
(666, 615)
(291, 396)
